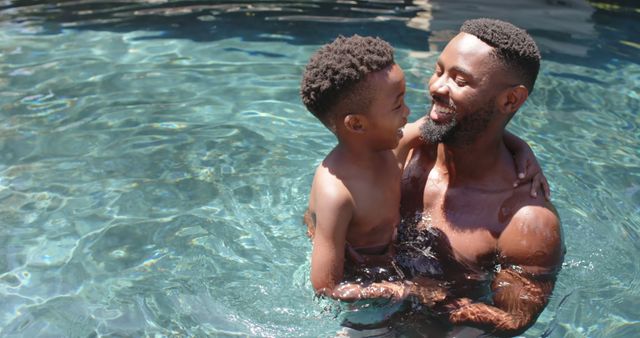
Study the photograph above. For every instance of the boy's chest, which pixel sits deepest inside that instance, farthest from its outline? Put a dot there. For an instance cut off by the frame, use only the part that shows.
(376, 200)
(377, 197)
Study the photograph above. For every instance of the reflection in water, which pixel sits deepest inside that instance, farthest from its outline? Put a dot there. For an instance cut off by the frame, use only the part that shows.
(570, 30)
(425, 251)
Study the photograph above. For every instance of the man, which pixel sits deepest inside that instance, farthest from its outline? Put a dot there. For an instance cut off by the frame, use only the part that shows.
(484, 232)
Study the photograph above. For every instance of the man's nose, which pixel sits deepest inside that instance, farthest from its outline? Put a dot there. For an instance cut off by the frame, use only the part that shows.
(438, 86)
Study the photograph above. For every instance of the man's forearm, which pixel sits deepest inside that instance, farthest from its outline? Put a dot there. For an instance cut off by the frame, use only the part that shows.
(518, 301)
(427, 292)
(491, 319)
(351, 292)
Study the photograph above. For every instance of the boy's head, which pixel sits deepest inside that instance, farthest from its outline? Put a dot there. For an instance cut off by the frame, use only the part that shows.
(335, 76)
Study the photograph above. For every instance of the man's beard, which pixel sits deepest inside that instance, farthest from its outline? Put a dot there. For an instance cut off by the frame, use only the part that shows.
(458, 132)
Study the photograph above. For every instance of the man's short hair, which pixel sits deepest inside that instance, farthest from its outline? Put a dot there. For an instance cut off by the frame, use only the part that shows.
(335, 72)
(513, 47)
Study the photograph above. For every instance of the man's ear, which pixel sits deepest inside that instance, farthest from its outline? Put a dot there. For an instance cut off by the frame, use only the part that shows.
(355, 123)
(513, 99)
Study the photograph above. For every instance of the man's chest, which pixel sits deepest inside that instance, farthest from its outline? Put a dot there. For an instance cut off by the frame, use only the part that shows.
(470, 222)
(475, 246)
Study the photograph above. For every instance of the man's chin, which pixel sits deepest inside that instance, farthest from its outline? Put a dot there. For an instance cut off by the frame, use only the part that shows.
(433, 132)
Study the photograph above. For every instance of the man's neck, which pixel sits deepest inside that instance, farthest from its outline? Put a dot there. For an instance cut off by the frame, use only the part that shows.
(485, 164)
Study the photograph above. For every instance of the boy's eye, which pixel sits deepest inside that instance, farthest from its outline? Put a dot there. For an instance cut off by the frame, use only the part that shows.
(399, 106)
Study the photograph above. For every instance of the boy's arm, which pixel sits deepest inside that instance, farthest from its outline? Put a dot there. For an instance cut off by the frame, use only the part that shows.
(333, 213)
(410, 139)
(526, 164)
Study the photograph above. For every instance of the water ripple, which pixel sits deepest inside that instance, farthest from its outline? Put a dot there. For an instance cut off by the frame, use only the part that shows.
(155, 160)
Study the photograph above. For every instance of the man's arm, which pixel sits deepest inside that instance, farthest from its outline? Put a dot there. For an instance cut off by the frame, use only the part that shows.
(532, 251)
(427, 291)
(517, 304)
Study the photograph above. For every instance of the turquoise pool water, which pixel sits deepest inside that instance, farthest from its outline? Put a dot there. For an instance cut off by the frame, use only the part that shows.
(155, 159)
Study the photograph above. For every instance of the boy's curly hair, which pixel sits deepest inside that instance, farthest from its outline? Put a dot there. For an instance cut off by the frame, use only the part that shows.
(514, 47)
(335, 72)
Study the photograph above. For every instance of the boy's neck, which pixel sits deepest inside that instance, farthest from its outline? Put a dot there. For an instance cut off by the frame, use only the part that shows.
(358, 154)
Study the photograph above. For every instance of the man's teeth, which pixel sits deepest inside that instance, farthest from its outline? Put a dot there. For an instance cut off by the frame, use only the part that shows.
(443, 110)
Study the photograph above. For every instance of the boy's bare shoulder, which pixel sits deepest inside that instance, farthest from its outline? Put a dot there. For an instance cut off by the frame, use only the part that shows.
(330, 204)
(327, 189)
(327, 182)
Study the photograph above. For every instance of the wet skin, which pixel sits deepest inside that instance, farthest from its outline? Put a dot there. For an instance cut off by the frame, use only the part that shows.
(361, 172)
(355, 195)
(463, 190)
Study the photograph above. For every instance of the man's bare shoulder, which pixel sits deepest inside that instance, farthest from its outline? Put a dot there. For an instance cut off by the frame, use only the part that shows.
(533, 238)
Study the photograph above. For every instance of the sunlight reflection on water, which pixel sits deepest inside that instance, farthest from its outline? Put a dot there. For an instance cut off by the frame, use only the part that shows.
(154, 168)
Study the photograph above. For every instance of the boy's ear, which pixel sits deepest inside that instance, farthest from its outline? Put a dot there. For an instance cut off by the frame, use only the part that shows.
(355, 123)
(513, 99)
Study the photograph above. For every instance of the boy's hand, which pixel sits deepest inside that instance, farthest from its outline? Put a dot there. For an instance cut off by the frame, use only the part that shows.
(527, 166)
(528, 169)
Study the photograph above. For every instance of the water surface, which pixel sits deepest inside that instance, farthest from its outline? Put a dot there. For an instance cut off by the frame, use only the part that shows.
(155, 159)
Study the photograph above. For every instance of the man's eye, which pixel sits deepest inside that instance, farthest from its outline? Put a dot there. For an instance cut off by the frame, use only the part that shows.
(461, 82)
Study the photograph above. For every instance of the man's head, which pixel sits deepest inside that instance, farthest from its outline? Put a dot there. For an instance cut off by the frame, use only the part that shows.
(513, 47)
(481, 79)
(333, 82)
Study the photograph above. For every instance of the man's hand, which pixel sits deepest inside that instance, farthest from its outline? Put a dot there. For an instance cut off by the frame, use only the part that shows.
(427, 291)
(453, 305)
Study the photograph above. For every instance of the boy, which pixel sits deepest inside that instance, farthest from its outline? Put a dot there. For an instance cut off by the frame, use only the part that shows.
(354, 87)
